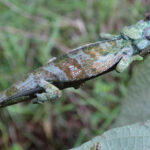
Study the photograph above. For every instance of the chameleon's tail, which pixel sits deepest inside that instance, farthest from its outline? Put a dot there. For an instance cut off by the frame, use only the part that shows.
(6, 100)
(3, 97)
(8, 95)
(17, 92)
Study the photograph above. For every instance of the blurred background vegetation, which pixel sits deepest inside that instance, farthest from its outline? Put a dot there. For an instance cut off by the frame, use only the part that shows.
(32, 32)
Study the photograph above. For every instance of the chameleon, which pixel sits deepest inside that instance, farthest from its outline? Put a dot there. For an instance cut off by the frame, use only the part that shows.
(81, 64)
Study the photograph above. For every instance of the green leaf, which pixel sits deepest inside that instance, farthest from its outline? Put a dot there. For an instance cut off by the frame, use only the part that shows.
(136, 104)
(133, 137)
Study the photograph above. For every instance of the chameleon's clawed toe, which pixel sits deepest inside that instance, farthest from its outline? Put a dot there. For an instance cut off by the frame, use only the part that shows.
(41, 98)
(36, 101)
(44, 97)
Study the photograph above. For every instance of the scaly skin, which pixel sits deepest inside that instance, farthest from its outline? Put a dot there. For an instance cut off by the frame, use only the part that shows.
(83, 63)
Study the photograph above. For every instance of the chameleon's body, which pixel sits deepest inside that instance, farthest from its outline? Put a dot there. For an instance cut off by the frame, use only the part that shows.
(83, 63)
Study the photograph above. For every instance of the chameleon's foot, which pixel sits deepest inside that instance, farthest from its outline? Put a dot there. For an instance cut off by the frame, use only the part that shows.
(126, 61)
(107, 36)
(51, 92)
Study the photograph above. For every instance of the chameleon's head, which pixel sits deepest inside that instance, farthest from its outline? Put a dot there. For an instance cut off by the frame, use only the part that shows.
(139, 34)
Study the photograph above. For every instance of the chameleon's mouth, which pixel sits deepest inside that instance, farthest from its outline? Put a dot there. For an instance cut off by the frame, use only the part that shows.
(147, 17)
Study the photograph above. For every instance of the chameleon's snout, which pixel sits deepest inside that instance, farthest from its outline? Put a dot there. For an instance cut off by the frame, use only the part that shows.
(146, 33)
(147, 16)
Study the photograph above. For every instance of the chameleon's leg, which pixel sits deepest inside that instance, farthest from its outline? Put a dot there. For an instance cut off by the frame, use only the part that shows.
(126, 61)
(51, 92)
(107, 36)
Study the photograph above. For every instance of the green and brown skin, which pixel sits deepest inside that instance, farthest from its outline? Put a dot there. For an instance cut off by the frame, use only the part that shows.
(81, 64)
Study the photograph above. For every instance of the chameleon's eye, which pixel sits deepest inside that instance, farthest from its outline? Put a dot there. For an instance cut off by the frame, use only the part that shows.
(147, 33)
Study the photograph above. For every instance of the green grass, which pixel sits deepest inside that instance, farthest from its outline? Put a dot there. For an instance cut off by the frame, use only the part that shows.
(32, 32)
